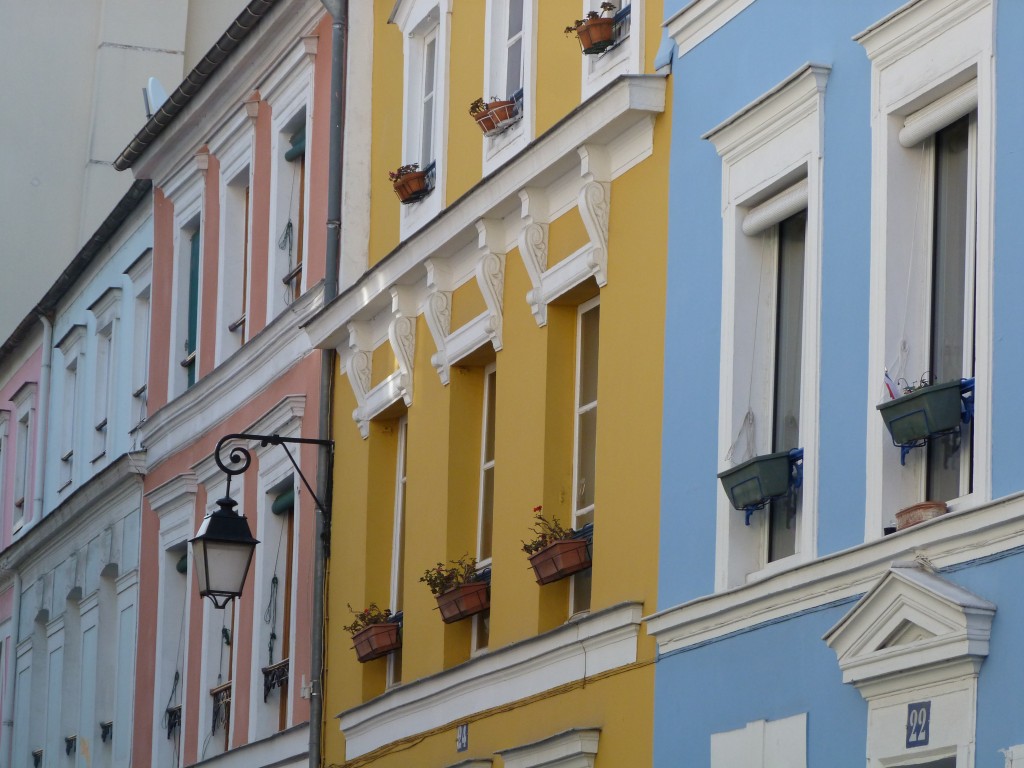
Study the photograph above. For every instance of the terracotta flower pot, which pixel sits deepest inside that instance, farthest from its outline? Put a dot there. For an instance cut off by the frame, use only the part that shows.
(919, 513)
(560, 559)
(376, 640)
(411, 186)
(596, 35)
(463, 601)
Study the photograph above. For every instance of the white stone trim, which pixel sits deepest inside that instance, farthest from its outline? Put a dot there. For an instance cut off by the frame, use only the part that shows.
(599, 642)
(955, 538)
(575, 748)
(778, 743)
(697, 21)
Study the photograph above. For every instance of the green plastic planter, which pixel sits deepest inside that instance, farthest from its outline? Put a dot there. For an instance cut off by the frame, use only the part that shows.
(757, 480)
(924, 412)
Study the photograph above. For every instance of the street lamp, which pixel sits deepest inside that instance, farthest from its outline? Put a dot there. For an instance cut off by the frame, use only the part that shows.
(222, 551)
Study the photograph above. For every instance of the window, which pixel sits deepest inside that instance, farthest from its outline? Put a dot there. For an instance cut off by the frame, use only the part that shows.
(585, 436)
(394, 671)
(105, 310)
(235, 261)
(427, 98)
(932, 169)
(292, 202)
(514, 47)
(140, 351)
(771, 177)
(510, 74)
(70, 347)
(188, 301)
(4, 420)
(485, 520)
(21, 467)
(781, 743)
(625, 54)
(278, 610)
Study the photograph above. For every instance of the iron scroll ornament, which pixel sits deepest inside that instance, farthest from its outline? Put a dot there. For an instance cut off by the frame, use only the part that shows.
(240, 458)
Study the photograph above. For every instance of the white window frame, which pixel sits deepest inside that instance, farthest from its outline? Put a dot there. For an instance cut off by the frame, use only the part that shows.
(766, 148)
(486, 465)
(24, 402)
(71, 347)
(5, 420)
(235, 252)
(579, 410)
(141, 276)
(626, 58)
(106, 311)
(189, 217)
(781, 742)
(502, 147)
(418, 20)
(398, 529)
(924, 59)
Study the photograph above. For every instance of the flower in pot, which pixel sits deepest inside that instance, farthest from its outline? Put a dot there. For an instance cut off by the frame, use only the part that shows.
(596, 30)
(459, 590)
(925, 410)
(409, 182)
(554, 551)
(493, 114)
(374, 632)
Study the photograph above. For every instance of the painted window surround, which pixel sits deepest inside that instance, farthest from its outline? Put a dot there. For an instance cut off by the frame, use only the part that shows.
(393, 675)
(103, 421)
(920, 56)
(698, 20)
(766, 148)
(513, 209)
(140, 273)
(498, 149)
(234, 149)
(25, 454)
(915, 636)
(601, 641)
(174, 504)
(627, 58)
(778, 743)
(575, 748)
(416, 18)
(289, 92)
(72, 380)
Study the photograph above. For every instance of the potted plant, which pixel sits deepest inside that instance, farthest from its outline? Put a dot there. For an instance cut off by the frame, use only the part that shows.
(919, 513)
(554, 551)
(374, 632)
(458, 587)
(924, 410)
(494, 114)
(755, 482)
(596, 30)
(409, 182)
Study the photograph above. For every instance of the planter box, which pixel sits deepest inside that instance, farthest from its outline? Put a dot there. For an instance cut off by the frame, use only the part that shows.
(924, 412)
(411, 187)
(596, 35)
(499, 114)
(560, 559)
(463, 601)
(753, 483)
(376, 640)
(919, 513)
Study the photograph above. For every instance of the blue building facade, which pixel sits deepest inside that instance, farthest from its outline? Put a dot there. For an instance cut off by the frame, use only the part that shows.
(843, 209)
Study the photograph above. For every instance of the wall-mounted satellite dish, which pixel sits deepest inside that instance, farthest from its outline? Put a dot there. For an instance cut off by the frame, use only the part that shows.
(154, 96)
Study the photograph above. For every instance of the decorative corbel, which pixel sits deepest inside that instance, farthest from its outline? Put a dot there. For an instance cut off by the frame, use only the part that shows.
(309, 46)
(439, 314)
(533, 247)
(358, 367)
(595, 206)
(202, 159)
(402, 335)
(252, 106)
(490, 274)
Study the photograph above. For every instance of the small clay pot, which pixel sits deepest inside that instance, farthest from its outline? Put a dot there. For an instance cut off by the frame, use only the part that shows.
(919, 513)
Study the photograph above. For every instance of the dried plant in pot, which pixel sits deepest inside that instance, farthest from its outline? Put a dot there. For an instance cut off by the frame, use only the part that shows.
(554, 551)
(458, 588)
(596, 30)
(374, 631)
(409, 182)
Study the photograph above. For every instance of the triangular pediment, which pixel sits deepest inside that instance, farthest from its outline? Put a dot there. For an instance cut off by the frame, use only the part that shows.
(911, 619)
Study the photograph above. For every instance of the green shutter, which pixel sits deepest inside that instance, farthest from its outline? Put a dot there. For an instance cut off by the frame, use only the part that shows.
(298, 145)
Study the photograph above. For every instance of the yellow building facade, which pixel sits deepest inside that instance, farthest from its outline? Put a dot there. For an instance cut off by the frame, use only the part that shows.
(498, 343)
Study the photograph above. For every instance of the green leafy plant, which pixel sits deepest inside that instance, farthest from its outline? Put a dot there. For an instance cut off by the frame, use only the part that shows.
(446, 576)
(545, 532)
(371, 614)
(403, 170)
(477, 107)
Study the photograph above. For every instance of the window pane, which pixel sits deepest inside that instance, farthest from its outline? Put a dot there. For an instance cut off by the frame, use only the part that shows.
(788, 327)
(581, 588)
(492, 384)
(952, 315)
(589, 324)
(585, 469)
(482, 629)
(429, 54)
(515, 18)
(514, 70)
(486, 513)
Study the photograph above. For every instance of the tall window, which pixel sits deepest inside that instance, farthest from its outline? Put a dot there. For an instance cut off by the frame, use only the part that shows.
(4, 419)
(192, 307)
(69, 421)
(427, 106)
(514, 48)
(951, 324)
(21, 465)
(485, 522)
(394, 672)
(789, 317)
(585, 443)
(140, 355)
(279, 604)
(104, 384)
(291, 238)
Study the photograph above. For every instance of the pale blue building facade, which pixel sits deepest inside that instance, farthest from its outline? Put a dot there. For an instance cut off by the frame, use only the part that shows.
(844, 198)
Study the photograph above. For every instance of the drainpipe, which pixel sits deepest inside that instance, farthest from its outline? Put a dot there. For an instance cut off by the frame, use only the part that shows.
(42, 410)
(7, 716)
(339, 27)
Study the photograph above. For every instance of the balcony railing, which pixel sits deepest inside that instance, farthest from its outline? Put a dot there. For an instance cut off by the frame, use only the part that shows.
(221, 706)
(274, 676)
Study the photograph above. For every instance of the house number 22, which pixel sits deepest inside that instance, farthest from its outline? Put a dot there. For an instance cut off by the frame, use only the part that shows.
(919, 723)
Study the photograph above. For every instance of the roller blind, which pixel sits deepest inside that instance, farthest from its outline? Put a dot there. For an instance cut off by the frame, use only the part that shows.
(769, 213)
(927, 121)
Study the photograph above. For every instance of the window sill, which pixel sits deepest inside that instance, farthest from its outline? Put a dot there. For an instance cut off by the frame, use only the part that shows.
(776, 567)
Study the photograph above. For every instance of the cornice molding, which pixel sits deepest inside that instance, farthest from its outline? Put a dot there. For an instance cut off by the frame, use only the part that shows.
(913, 25)
(696, 22)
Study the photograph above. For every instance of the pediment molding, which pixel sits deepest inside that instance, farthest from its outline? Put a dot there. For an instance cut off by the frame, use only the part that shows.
(911, 621)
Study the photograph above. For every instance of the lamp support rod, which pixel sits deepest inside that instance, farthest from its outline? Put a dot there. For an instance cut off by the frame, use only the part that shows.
(239, 457)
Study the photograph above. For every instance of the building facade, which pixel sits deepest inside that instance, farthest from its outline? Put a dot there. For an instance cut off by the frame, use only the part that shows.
(481, 324)
(841, 211)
